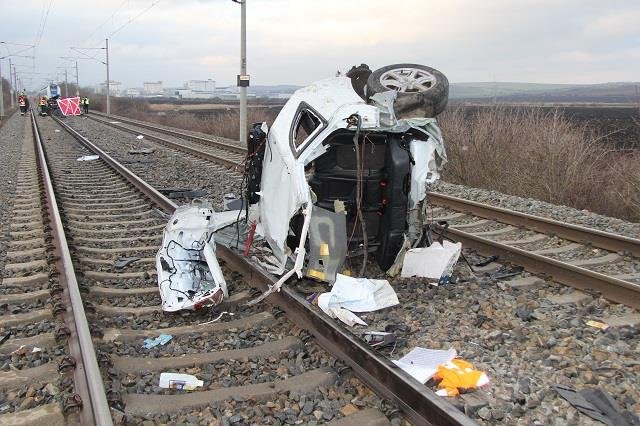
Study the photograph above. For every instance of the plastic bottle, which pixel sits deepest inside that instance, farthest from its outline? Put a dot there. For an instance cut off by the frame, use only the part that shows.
(179, 381)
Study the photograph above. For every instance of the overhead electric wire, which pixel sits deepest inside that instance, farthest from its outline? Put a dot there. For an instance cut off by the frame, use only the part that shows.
(153, 3)
(43, 24)
(105, 22)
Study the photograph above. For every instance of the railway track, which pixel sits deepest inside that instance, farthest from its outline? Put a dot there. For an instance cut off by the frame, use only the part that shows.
(45, 348)
(244, 355)
(490, 230)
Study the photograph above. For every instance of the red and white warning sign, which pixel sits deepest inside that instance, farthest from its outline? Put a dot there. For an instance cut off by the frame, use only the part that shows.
(69, 106)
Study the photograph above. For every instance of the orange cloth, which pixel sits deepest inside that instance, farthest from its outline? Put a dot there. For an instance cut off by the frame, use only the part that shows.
(458, 374)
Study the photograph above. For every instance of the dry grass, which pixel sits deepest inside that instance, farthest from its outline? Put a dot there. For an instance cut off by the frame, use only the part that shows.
(529, 153)
(518, 151)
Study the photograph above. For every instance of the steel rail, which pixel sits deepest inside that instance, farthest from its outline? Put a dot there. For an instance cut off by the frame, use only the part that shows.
(620, 291)
(98, 407)
(222, 145)
(421, 405)
(189, 150)
(580, 234)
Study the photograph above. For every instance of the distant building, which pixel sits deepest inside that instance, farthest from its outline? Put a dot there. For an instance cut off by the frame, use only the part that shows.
(152, 87)
(132, 93)
(115, 87)
(201, 85)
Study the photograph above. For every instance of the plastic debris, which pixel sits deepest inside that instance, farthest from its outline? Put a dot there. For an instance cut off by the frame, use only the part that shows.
(379, 339)
(139, 137)
(217, 318)
(143, 151)
(124, 261)
(597, 324)
(458, 374)
(179, 381)
(161, 340)
(7, 335)
(114, 122)
(598, 405)
(422, 364)
(435, 262)
(20, 351)
(35, 349)
(350, 295)
(88, 158)
(189, 275)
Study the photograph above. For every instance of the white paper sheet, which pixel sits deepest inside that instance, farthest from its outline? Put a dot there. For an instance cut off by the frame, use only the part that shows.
(350, 295)
(422, 364)
(431, 262)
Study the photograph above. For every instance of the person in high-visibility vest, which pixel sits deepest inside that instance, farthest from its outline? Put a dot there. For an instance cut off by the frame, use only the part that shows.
(44, 105)
(24, 104)
(85, 105)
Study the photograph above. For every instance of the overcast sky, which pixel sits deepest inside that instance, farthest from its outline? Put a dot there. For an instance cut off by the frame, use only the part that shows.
(298, 41)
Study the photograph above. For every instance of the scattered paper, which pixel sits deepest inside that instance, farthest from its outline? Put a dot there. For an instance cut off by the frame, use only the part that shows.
(57, 130)
(20, 351)
(161, 340)
(356, 295)
(88, 158)
(422, 364)
(433, 262)
(597, 324)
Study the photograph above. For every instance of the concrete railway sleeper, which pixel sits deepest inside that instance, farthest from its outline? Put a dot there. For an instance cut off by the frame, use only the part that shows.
(254, 362)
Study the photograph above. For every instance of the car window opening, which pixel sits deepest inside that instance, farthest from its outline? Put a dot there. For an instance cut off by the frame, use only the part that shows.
(307, 123)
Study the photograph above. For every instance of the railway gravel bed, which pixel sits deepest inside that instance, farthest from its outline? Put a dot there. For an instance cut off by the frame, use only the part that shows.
(164, 168)
(526, 337)
(257, 367)
(541, 208)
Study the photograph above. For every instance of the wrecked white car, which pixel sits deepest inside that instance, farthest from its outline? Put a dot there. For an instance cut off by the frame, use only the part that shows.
(344, 169)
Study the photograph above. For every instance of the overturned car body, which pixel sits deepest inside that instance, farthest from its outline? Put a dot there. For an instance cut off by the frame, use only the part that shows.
(338, 170)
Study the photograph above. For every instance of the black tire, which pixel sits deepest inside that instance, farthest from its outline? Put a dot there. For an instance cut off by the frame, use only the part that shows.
(427, 100)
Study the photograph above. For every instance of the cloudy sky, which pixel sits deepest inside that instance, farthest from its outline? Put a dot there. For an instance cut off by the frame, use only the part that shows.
(298, 41)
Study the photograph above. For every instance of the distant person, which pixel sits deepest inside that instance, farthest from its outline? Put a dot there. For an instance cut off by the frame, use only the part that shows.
(44, 105)
(85, 105)
(22, 102)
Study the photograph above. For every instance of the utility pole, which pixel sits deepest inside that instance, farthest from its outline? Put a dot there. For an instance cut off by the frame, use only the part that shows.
(77, 81)
(243, 78)
(1, 94)
(106, 40)
(11, 88)
(66, 84)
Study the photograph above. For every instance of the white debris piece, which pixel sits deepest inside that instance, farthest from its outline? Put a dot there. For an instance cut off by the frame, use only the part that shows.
(179, 381)
(422, 364)
(356, 295)
(88, 158)
(189, 275)
(139, 137)
(431, 262)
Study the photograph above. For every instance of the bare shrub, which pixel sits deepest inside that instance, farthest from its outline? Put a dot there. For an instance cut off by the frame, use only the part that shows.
(530, 153)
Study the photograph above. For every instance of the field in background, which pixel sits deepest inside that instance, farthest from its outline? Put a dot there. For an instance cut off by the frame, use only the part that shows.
(583, 157)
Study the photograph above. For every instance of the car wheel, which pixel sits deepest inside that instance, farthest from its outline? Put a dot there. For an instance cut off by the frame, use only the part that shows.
(422, 91)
